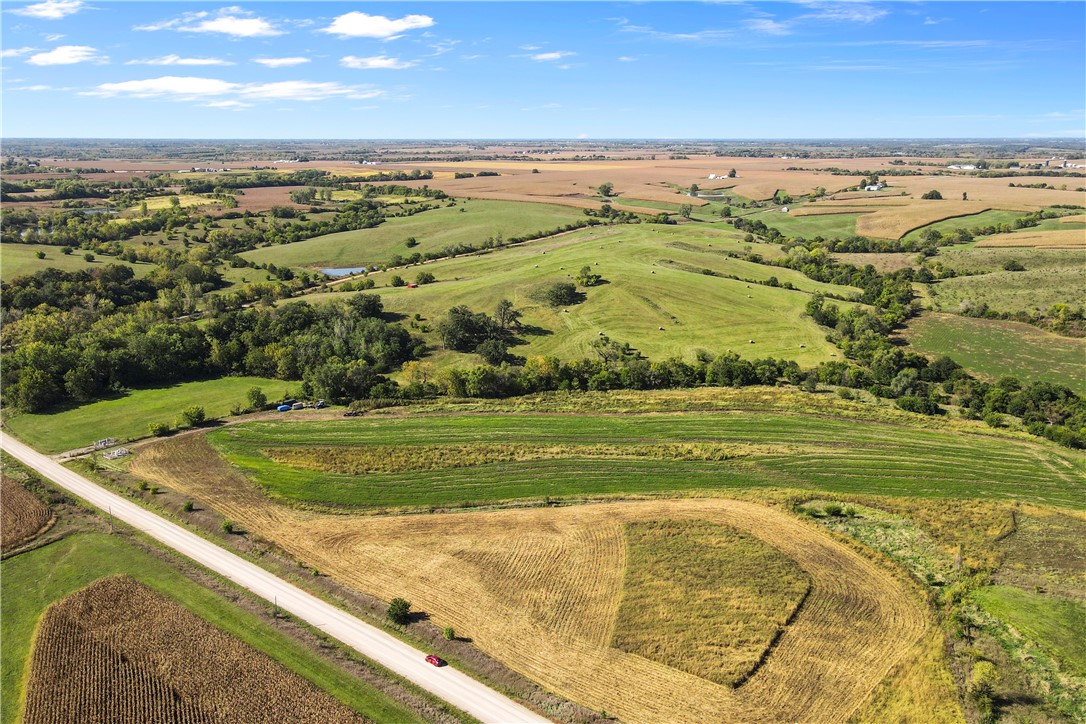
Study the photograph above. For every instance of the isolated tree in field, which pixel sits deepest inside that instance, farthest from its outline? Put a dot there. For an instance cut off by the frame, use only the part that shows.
(726, 212)
(685, 210)
(193, 415)
(506, 315)
(587, 277)
(932, 195)
(606, 189)
(732, 173)
(257, 399)
(399, 611)
(411, 241)
(560, 293)
(425, 278)
(693, 189)
(965, 196)
(397, 281)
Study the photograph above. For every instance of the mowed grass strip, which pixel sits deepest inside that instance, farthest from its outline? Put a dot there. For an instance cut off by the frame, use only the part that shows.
(127, 417)
(1055, 624)
(704, 598)
(994, 348)
(837, 455)
(31, 581)
(117, 650)
(469, 222)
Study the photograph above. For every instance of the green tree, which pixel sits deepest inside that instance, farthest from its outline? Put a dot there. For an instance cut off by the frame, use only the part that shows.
(686, 210)
(257, 399)
(506, 315)
(425, 278)
(732, 173)
(397, 281)
(399, 611)
(193, 415)
(588, 278)
(693, 189)
(39, 254)
(932, 195)
(493, 351)
(159, 429)
(606, 189)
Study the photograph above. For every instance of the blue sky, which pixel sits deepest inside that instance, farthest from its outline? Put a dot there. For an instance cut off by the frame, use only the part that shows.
(96, 68)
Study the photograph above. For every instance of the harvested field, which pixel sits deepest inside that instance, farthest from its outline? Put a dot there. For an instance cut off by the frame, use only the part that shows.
(22, 515)
(553, 576)
(704, 598)
(828, 210)
(895, 222)
(262, 198)
(118, 651)
(1076, 219)
(1061, 239)
(883, 263)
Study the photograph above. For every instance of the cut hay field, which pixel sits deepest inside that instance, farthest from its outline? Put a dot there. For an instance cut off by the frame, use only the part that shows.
(993, 348)
(656, 296)
(128, 416)
(33, 581)
(425, 460)
(117, 650)
(186, 200)
(469, 222)
(22, 515)
(19, 259)
(1056, 239)
(554, 577)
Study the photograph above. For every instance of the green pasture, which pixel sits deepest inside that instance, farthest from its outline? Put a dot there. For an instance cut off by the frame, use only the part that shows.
(1055, 624)
(20, 259)
(993, 348)
(828, 226)
(469, 222)
(984, 218)
(34, 580)
(127, 417)
(655, 295)
(1035, 289)
(797, 451)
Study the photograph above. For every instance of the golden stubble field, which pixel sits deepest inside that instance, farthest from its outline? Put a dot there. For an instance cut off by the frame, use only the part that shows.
(539, 588)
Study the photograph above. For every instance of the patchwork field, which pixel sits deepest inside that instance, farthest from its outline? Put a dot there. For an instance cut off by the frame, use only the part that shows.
(656, 296)
(984, 218)
(33, 581)
(1057, 239)
(555, 577)
(127, 417)
(993, 348)
(469, 222)
(897, 221)
(22, 515)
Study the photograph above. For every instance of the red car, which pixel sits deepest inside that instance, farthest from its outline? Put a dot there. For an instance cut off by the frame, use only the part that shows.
(435, 660)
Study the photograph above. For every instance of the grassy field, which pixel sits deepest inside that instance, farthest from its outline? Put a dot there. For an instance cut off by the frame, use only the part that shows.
(656, 296)
(993, 348)
(1035, 289)
(19, 259)
(600, 455)
(898, 221)
(1054, 239)
(704, 598)
(469, 222)
(128, 416)
(32, 581)
(1055, 624)
(827, 226)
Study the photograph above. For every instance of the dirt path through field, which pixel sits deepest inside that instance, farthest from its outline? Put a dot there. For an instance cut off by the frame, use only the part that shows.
(538, 589)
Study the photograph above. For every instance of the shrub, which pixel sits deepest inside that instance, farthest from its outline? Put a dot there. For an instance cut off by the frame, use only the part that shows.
(450, 633)
(399, 611)
(411, 242)
(39, 254)
(993, 419)
(932, 195)
(845, 394)
(227, 526)
(397, 281)
(1013, 265)
(257, 399)
(193, 415)
(159, 429)
(849, 512)
(833, 509)
(425, 278)
(188, 507)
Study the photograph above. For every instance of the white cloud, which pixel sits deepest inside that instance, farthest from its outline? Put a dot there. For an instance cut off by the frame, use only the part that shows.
(360, 25)
(178, 60)
(225, 94)
(34, 88)
(53, 38)
(280, 62)
(531, 47)
(626, 58)
(554, 55)
(16, 52)
(51, 9)
(229, 105)
(376, 62)
(233, 21)
(236, 26)
(766, 25)
(68, 55)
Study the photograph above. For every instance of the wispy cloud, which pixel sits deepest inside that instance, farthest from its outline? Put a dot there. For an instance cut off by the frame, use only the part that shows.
(767, 25)
(68, 55)
(228, 94)
(281, 62)
(627, 58)
(698, 36)
(820, 13)
(376, 62)
(553, 55)
(178, 60)
(360, 25)
(232, 21)
(15, 52)
(51, 9)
